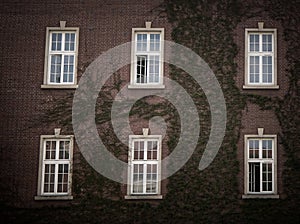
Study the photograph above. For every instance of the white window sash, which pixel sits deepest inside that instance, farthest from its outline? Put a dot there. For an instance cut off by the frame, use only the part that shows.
(261, 53)
(55, 162)
(261, 161)
(63, 53)
(147, 53)
(145, 161)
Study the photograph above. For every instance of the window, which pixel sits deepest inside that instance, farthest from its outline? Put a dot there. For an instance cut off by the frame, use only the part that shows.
(147, 57)
(144, 167)
(260, 165)
(260, 58)
(61, 57)
(55, 167)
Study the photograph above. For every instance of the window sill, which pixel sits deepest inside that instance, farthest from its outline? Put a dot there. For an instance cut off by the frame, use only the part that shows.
(47, 86)
(156, 86)
(260, 196)
(52, 198)
(260, 87)
(143, 197)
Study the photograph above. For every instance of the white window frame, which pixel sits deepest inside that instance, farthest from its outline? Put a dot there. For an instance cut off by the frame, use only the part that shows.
(134, 54)
(260, 31)
(41, 194)
(247, 160)
(131, 162)
(47, 84)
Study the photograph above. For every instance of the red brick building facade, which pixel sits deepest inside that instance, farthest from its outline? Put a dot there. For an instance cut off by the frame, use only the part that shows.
(36, 98)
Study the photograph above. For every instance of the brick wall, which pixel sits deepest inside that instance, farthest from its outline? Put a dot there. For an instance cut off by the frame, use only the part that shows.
(102, 24)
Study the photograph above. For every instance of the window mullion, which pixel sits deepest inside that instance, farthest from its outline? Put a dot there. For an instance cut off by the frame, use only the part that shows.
(55, 178)
(273, 176)
(260, 148)
(148, 57)
(57, 150)
(260, 43)
(145, 164)
(56, 166)
(43, 177)
(62, 67)
(260, 68)
(145, 150)
(261, 176)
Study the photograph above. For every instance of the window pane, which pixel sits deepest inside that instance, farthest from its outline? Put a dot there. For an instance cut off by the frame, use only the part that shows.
(138, 172)
(154, 42)
(55, 66)
(154, 69)
(267, 42)
(68, 68)
(69, 41)
(254, 69)
(63, 170)
(141, 42)
(253, 148)
(151, 182)
(254, 42)
(56, 42)
(254, 177)
(267, 176)
(49, 173)
(64, 149)
(267, 69)
(141, 69)
(267, 146)
(152, 150)
(138, 150)
(50, 150)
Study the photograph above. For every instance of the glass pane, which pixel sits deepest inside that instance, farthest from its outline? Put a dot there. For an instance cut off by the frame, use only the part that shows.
(267, 148)
(67, 148)
(56, 42)
(267, 176)
(152, 150)
(267, 69)
(138, 178)
(66, 168)
(254, 42)
(138, 150)
(55, 66)
(65, 188)
(69, 41)
(154, 42)
(151, 181)
(50, 149)
(267, 42)
(60, 168)
(66, 178)
(47, 169)
(253, 148)
(154, 69)
(141, 69)
(141, 42)
(60, 178)
(46, 188)
(254, 69)
(59, 188)
(64, 149)
(254, 177)
(51, 187)
(49, 174)
(52, 168)
(68, 68)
